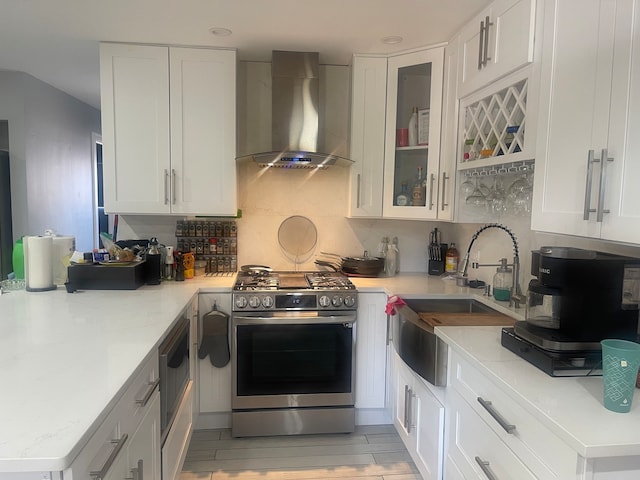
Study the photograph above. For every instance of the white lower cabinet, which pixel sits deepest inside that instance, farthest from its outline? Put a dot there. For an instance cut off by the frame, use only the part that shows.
(214, 384)
(143, 452)
(371, 346)
(489, 433)
(129, 437)
(419, 420)
(475, 449)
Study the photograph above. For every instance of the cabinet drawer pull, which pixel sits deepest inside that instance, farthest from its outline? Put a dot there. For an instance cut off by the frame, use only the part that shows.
(486, 56)
(484, 465)
(587, 193)
(444, 204)
(432, 180)
(358, 193)
(604, 161)
(496, 416)
(117, 446)
(147, 395)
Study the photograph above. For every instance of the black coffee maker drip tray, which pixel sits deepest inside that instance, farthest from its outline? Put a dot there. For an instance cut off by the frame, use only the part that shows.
(566, 363)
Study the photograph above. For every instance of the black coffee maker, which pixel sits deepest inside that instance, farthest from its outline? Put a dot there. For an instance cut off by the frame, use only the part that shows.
(578, 298)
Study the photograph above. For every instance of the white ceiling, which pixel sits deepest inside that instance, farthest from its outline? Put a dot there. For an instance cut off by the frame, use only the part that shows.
(57, 40)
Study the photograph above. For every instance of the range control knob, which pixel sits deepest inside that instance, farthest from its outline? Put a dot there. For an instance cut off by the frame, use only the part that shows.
(241, 302)
(324, 301)
(349, 301)
(336, 301)
(254, 302)
(267, 302)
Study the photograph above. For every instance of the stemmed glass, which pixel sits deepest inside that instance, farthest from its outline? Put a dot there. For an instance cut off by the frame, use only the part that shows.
(477, 198)
(519, 195)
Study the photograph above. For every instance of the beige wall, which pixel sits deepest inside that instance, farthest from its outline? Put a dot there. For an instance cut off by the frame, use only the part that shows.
(51, 165)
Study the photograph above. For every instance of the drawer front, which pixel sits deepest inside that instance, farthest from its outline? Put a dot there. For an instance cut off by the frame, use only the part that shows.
(476, 449)
(542, 451)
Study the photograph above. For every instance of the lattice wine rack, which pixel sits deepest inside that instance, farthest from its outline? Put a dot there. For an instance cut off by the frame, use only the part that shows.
(494, 126)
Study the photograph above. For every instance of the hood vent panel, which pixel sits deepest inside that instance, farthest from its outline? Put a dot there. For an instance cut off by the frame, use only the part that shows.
(294, 119)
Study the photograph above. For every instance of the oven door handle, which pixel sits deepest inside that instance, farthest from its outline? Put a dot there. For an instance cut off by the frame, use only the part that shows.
(347, 320)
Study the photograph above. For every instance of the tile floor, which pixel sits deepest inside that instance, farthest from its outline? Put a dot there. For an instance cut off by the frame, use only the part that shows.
(370, 453)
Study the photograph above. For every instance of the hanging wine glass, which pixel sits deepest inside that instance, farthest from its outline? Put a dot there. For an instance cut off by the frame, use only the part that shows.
(477, 198)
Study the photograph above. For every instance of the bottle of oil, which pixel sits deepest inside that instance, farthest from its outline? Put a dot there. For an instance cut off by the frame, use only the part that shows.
(451, 259)
(153, 263)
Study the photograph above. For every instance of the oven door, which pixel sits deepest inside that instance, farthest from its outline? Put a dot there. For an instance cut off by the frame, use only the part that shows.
(287, 360)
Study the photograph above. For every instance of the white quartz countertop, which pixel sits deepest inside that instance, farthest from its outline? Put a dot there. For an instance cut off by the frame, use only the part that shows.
(572, 408)
(65, 358)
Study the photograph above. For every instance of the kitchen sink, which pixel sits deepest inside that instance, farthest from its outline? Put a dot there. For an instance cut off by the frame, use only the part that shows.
(415, 341)
(448, 305)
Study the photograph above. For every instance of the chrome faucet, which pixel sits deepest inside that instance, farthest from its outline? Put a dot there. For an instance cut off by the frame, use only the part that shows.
(516, 297)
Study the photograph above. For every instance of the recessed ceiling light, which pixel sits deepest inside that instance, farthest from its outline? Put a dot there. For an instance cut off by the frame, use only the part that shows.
(392, 40)
(220, 31)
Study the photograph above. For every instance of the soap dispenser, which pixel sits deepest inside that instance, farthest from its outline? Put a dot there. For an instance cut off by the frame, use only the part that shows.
(502, 281)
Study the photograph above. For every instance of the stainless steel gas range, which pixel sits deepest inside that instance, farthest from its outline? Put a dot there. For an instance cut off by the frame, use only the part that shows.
(293, 352)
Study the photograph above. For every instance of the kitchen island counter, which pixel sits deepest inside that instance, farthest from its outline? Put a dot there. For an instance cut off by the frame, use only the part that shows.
(66, 358)
(571, 408)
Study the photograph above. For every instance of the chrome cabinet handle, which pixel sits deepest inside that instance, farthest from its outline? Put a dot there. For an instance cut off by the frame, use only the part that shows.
(407, 395)
(117, 446)
(142, 402)
(358, 193)
(431, 182)
(587, 194)
(484, 466)
(480, 47)
(137, 473)
(173, 186)
(166, 190)
(411, 425)
(509, 428)
(445, 177)
(604, 161)
(486, 57)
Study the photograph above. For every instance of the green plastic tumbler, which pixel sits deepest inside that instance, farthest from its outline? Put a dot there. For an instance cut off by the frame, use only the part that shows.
(620, 362)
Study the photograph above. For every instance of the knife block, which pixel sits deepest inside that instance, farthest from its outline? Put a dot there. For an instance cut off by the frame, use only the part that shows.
(436, 267)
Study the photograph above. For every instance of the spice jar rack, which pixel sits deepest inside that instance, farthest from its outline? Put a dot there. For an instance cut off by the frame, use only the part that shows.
(214, 242)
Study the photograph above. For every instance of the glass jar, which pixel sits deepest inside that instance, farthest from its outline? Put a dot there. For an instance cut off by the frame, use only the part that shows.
(502, 282)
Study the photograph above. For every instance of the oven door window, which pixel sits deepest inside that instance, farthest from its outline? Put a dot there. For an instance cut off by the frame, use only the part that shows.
(293, 359)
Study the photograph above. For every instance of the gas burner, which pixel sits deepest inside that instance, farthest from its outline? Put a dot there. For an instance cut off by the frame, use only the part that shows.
(284, 291)
(330, 281)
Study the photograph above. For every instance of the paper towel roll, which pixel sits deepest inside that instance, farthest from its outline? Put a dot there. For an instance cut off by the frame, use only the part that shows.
(38, 266)
(63, 248)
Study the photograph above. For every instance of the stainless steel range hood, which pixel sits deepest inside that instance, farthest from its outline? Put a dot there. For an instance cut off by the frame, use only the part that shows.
(294, 119)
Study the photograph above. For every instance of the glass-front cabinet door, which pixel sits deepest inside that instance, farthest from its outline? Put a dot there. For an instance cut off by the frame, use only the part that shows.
(412, 147)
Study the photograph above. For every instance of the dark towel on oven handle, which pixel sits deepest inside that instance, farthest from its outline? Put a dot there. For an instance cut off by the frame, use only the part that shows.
(215, 338)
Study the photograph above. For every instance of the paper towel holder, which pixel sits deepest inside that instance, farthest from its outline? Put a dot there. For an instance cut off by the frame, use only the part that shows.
(42, 270)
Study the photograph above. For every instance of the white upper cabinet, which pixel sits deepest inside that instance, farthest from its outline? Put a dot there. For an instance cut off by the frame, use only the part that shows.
(368, 112)
(392, 178)
(496, 42)
(168, 129)
(588, 149)
(414, 81)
